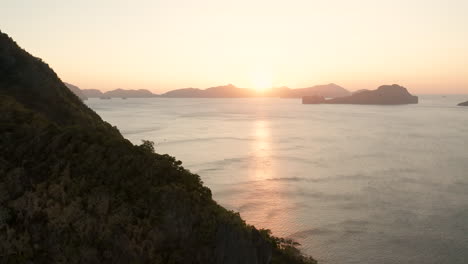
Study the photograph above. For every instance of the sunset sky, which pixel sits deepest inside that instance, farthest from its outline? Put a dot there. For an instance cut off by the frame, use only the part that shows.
(164, 45)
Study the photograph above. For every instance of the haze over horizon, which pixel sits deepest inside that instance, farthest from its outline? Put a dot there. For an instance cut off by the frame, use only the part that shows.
(166, 45)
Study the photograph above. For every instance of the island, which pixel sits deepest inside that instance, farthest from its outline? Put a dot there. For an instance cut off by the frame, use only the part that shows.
(118, 93)
(463, 104)
(124, 93)
(231, 91)
(92, 93)
(76, 90)
(384, 95)
(224, 91)
(330, 90)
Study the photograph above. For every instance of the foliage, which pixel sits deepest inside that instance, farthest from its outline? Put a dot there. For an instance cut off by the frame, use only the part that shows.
(147, 145)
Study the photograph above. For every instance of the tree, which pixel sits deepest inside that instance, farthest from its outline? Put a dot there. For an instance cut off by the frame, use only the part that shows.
(147, 145)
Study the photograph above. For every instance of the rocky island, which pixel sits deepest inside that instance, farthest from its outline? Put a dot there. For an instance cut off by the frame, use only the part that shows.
(384, 95)
(463, 104)
(74, 190)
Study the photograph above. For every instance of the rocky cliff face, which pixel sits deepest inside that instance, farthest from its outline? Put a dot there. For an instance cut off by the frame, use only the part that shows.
(384, 95)
(73, 190)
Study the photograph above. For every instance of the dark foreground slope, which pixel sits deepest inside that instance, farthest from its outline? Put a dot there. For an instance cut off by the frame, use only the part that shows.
(73, 190)
(463, 104)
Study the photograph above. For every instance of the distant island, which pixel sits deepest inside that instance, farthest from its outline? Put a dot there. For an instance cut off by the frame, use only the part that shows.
(463, 104)
(140, 93)
(84, 94)
(230, 91)
(384, 95)
(92, 93)
(328, 91)
(225, 91)
(76, 90)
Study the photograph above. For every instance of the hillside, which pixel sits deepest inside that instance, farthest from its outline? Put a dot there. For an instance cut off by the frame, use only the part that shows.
(73, 190)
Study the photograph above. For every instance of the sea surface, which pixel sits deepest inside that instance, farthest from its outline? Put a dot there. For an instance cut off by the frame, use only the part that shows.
(351, 183)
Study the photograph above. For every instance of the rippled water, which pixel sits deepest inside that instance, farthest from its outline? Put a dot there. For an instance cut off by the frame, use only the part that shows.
(352, 184)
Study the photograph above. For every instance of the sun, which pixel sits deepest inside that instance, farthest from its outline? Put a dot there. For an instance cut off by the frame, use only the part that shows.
(262, 80)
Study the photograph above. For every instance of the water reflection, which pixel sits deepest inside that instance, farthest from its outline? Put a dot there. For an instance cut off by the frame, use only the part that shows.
(261, 152)
(264, 199)
(344, 199)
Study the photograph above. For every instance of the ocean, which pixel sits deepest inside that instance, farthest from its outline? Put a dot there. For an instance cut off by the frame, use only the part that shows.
(350, 183)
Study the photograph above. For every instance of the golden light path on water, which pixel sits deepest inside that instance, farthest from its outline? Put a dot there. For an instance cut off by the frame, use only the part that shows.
(262, 206)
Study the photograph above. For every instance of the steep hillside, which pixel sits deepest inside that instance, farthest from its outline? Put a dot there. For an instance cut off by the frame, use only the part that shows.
(73, 190)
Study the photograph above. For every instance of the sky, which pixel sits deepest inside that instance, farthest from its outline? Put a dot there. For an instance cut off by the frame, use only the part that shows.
(164, 45)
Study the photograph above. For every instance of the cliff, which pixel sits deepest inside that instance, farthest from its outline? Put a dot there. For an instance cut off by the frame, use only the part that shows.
(384, 95)
(73, 190)
(463, 104)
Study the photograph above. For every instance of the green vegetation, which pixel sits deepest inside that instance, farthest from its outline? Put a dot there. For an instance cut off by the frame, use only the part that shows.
(73, 190)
